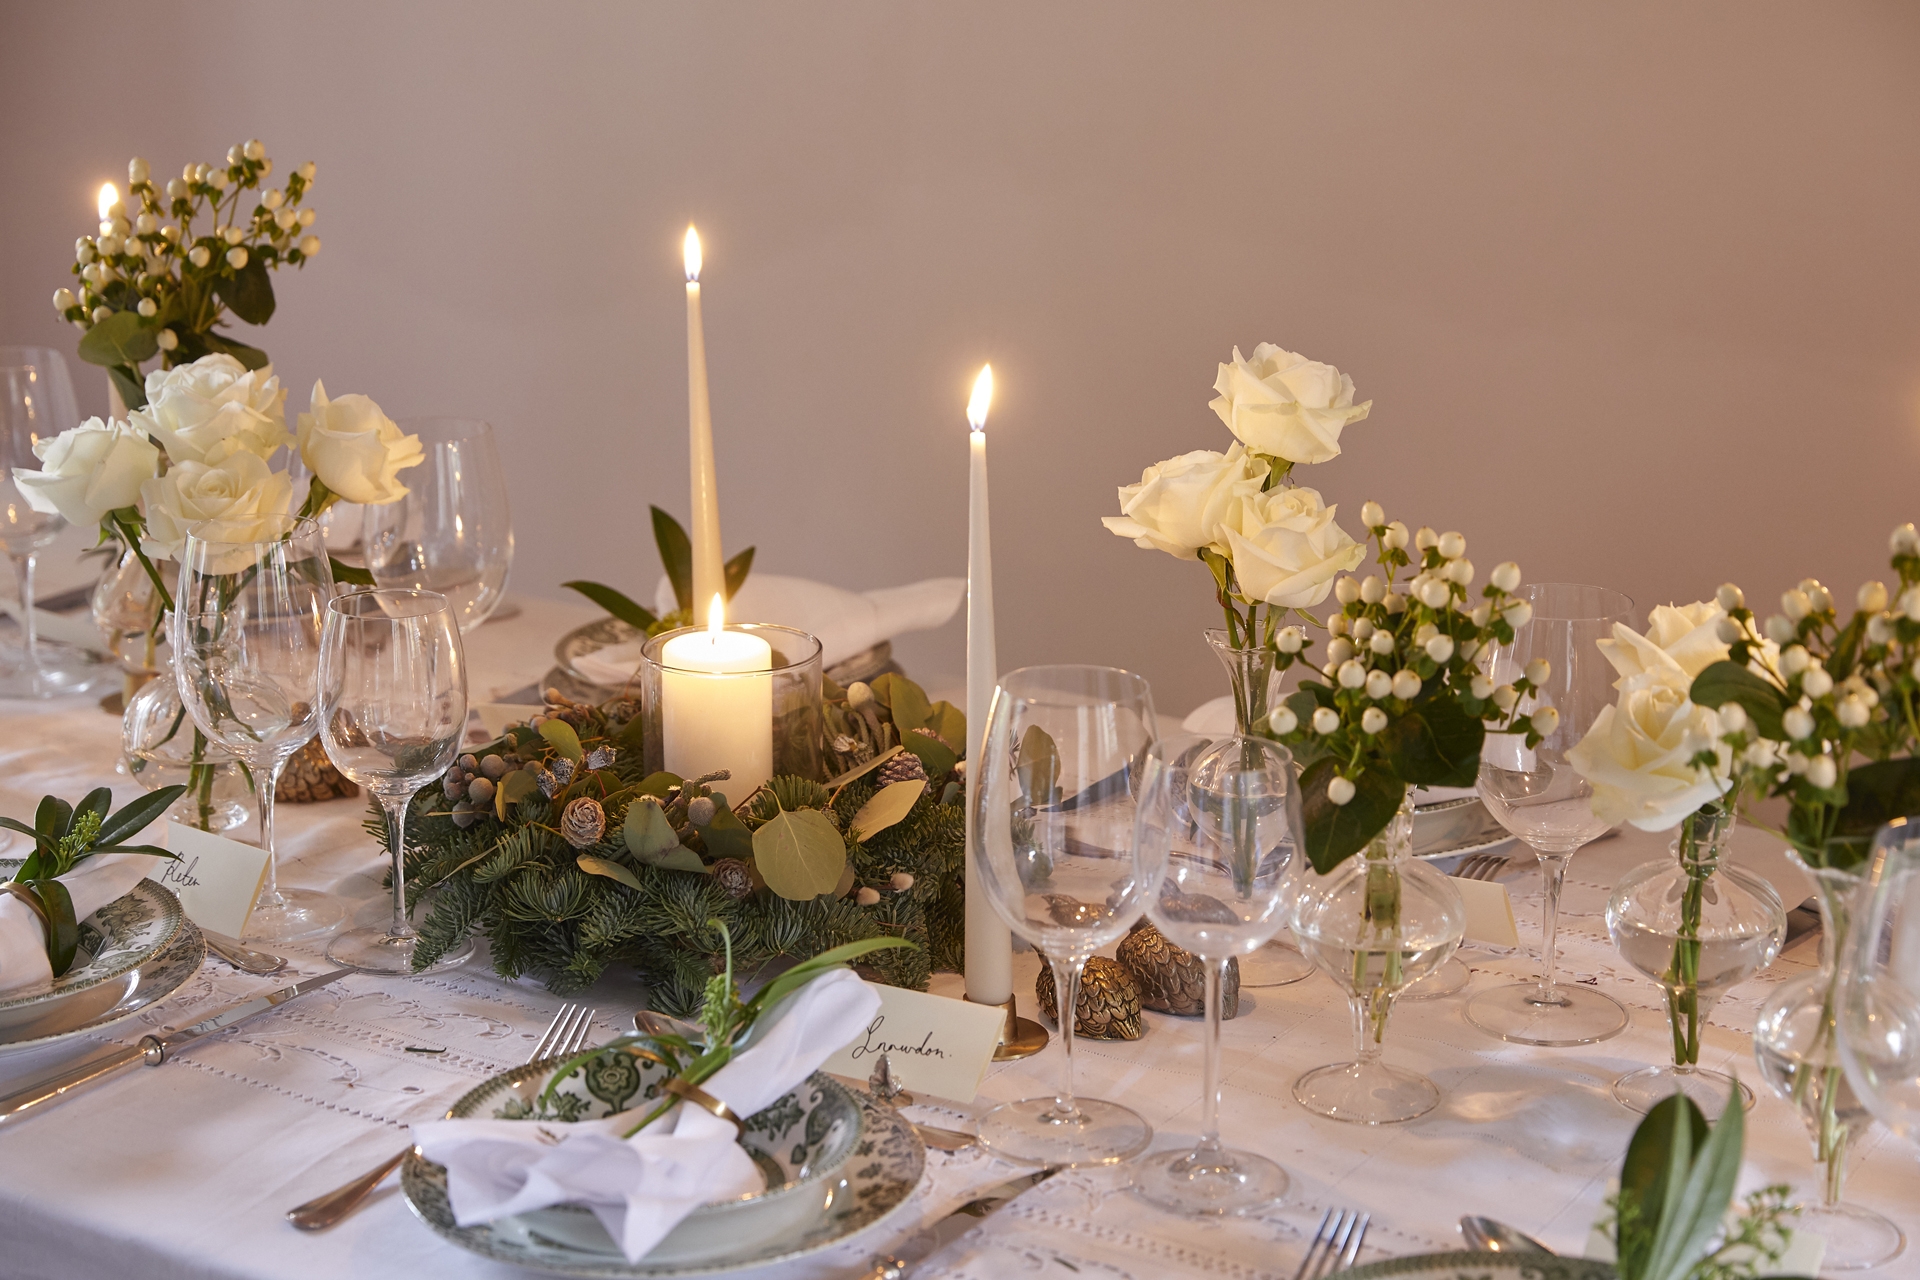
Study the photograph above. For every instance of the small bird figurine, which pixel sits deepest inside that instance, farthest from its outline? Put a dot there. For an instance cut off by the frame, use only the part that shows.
(1172, 979)
(1108, 1006)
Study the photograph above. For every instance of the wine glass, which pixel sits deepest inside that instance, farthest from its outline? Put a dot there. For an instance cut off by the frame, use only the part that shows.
(1540, 797)
(36, 404)
(1877, 1012)
(451, 534)
(246, 640)
(1061, 861)
(393, 703)
(1225, 818)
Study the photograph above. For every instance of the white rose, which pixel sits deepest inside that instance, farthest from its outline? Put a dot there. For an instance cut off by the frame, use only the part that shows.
(213, 408)
(355, 449)
(240, 496)
(1681, 641)
(88, 471)
(1180, 505)
(1638, 756)
(1286, 405)
(1287, 549)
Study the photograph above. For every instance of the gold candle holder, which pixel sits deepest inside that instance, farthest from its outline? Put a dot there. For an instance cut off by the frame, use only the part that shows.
(1019, 1037)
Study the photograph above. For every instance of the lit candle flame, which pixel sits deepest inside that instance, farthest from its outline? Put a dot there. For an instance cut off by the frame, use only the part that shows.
(982, 397)
(109, 197)
(693, 255)
(716, 616)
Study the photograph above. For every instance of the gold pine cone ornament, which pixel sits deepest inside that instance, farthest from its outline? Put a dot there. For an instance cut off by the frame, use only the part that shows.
(309, 777)
(1172, 979)
(1108, 1006)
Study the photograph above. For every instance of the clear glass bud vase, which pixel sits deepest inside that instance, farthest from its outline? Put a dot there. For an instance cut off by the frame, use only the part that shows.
(1250, 671)
(126, 609)
(162, 746)
(1696, 926)
(1380, 923)
(1794, 1044)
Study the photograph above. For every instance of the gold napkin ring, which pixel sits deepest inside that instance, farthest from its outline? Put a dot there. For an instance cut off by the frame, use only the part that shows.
(32, 900)
(705, 1101)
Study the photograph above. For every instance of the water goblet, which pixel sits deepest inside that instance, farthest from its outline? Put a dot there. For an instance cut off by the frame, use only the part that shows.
(1538, 795)
(246, 640)
(393, 704)
(1060, 860)
(451, 534)
(1227, 816)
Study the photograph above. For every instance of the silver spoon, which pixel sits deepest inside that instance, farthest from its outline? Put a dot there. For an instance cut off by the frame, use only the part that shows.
(1489, 1236)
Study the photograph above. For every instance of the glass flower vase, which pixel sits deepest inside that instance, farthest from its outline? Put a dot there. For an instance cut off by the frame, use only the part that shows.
(1696, 927)
(1794, 1043)
(162, 746)
(126, 609)
(1250, 672)
(1379, 923)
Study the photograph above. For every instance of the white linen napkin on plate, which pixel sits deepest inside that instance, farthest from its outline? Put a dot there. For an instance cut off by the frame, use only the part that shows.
(641, 1187)
(92, 885)
(845, 622)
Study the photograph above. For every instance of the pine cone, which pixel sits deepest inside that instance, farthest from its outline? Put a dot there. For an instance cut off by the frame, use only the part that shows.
(310, 778)
(734, 877)
(905, 767)
(583, 822)
(1108, 1006)
(1173, 980)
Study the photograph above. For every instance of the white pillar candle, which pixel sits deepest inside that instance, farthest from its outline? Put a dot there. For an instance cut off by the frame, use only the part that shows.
(989, 941)
(709, 571)
(716, 706)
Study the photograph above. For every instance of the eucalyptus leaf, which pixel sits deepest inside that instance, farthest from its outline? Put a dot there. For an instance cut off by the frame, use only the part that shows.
(950, 723)
(681, 858)
(611, 870)
(251, 357)
(905, 700)
(735, 571)
(1724, 681)
(1335, 832)
(564, 739)
(727, 837)
(886, 807)
(127, 378)
(649, 834)
(614, 602)
(1435, 744)
(248, 292)
(1037, 767)
(514, 787)
(352, 575)
(658, 784)
(934, 755)
(676, 556)
(120, 339)
(1877, 793)
(799, 854)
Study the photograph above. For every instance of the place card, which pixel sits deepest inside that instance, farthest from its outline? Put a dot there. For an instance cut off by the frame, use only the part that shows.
(1489, 912)
(216, 879)
(933, 1044)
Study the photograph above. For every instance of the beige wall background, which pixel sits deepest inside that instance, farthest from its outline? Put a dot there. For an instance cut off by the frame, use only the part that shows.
(1632, 286)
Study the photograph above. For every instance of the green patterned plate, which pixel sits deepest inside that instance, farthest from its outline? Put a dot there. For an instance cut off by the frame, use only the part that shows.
(114, 941)
(1483, 1266)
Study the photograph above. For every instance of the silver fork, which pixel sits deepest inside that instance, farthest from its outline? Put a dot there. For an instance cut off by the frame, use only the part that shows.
(567, 1033)
(1336, 1245)
(1482, 866)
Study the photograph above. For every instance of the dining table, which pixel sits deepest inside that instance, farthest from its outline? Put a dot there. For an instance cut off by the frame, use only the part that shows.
(187, 1169)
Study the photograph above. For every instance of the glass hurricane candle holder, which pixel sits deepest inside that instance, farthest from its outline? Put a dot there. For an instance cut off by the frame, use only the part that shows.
(744, 698)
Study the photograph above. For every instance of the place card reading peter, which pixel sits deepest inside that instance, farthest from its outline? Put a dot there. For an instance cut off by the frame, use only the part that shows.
(216, 879)
(933, 1044)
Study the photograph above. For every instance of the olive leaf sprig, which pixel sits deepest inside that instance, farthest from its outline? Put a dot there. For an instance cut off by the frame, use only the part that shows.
(64, 835)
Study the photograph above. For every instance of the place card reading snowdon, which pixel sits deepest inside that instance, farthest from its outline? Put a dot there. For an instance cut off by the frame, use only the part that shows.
(216, 879)
(933, 1044)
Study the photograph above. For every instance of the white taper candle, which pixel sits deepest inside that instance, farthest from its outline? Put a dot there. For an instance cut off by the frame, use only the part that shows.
(709, 571)
(989, 942)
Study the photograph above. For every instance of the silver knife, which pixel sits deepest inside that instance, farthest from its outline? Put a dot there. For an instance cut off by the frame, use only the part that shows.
(151, 1050)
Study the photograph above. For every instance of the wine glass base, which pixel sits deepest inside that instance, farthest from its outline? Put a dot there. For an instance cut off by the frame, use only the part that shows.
(1857, 1238)
(63, 670)
(301, 913)
(1646, 1088)
(377, 951)
(1556, 1016)
(1450, 979)
(1030, 1132)
(1277, 964)
(1366, 1093)
(1210, 1183)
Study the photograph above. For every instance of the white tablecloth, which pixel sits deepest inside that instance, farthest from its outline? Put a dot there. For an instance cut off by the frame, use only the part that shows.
(187, 1169)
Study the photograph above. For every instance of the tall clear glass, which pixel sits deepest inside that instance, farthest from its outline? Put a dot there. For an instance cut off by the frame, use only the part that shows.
(246, 641)
(1878, 1012)
(1227, 815)
(1062, 862)
(452, 533)
(393, 704)
(1537, 794)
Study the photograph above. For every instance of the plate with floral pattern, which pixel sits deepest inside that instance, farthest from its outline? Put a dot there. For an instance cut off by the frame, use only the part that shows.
(164, 973)
(114, 941)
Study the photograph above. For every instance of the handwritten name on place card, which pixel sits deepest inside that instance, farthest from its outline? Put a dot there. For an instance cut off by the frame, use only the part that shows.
(216, 879)
(933, 1044)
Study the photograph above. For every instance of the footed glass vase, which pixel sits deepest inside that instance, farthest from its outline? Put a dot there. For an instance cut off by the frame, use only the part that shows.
(1380, 923)
(1250, 670)
(1795, 1045)
(162, 746)
(1696, 927)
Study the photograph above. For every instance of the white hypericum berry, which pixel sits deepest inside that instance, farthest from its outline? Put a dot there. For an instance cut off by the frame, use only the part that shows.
(199, 256)
(1425, 632)
(1425, 537)
(1794, 603)
(1352, 675)
(1461, 571)
(1481, 687)
(217, 179)
(1452, 545)
(1440, 648)
(1518, 614)
(1728, 631)
(1379, 685)
(1816, 683)
(1904, 541)
(1340, 790)
(1733, 718)
(1798, 722)
(1796, 764)
(102, 314)
(1282, 721)
(1481, 613)
(1381, 642)
(1872, 596)
(1912, 609)
(1537, 672)
(1395, 602)
(1325, 721)
(1434, 593)
(1505, 697)
(137, 171)
(167, 339)
(272, 199)
(1852, 712)
(1544, 721)
(1371, 515)
(176, 189)
(1290, 640)
(233, 235)
(306, 171)
(1339, 649)
(170, 234)
(1818, 596)
(255, 150)
(109, 245)
(1730, 597)
(1372, 720)
(309, 245)
(1396, 537)
(1779, 630)
(1822, 772)
(1363, 629)
(1879, 628)
(237, 258)
(1346, 590)
(83, 250)
(1469, 650)
(148, 308)
(1373, 588)
(1794, 659)
(1406, 684)
(1505, 575)
(307, 216)
(63, 300)
(234, 154)
(1338, 624)
(146, 224)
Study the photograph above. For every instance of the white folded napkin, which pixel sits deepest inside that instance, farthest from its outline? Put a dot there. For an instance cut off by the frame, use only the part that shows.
(92, 885)
(641, 1187)
(845, 622)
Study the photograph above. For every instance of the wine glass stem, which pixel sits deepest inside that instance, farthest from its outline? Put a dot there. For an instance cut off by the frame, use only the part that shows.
(29, 627)
(1210, 1076)
(1067, 992)
(1553, 871)
(266, 779)
(396, 807)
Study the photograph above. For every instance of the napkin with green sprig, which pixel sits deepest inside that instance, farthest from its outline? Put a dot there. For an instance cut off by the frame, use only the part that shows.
(80, 862)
